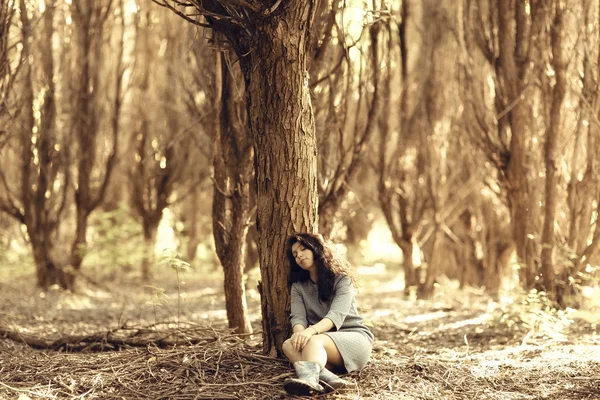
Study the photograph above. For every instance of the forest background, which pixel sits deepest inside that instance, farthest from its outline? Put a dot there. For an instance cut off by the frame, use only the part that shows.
(154, 155)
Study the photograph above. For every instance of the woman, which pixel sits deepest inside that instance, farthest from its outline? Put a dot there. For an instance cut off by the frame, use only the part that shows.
(328, 333)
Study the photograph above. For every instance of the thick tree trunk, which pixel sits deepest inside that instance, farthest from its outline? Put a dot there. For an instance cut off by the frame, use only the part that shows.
(39, 159)
(48, 272)
(282, 123)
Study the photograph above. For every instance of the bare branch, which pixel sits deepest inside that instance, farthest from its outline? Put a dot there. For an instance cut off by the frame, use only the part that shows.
(272, 9)
(243, 4)
(181, 14)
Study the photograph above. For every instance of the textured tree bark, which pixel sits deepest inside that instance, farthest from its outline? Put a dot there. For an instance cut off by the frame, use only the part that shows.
(272, 42)
(282, 124)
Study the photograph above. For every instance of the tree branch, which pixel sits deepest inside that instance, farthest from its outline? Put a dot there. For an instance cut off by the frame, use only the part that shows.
(181, 14)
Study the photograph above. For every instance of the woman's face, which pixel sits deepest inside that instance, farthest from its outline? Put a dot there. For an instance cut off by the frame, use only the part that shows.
(304, 257)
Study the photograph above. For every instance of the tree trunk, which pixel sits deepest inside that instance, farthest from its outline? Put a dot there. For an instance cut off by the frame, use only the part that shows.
(272, 43)
(232, 165)
(426, 285)
(338, 191)
(516, 70)
(411, 276)
(48, 272)
(40, 161)
(252, 256)
(89, 21)
(282, 124)
(150, 231)
(466, 260)
(582, 192)
(550, 154)
(191, 214)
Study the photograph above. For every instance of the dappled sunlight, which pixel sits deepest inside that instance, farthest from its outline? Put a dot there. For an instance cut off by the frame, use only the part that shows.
(207, 291)
(209, 315)
(425, 317)
(74, 302)
(554, 353)
(165, 236)
(480, 320)
(380, 247)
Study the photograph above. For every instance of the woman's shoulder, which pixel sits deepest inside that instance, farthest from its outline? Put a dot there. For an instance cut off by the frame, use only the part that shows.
(342, 280)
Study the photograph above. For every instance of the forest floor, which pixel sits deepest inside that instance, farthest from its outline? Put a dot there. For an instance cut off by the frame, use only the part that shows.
(459, 345)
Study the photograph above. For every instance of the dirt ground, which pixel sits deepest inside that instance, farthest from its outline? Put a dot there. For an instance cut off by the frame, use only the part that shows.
(459, 345)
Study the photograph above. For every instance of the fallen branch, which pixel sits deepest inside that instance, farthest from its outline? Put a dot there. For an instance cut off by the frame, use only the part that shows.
(117, 339)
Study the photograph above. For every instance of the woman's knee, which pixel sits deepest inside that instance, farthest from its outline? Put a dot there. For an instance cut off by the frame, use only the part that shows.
(316, 340)
(288, 348)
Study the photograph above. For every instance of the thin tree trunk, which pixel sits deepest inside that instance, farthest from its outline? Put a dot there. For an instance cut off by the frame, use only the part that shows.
(581, 193)
(426, 287)
(329, 204)
(232, 166)
(148, 259)
(89, 20)
(515, 52)
(191, 221)
(550, 154)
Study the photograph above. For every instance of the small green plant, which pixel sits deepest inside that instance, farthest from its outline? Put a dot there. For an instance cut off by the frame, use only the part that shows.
(173, 260)
(159, 299)
(534, 313)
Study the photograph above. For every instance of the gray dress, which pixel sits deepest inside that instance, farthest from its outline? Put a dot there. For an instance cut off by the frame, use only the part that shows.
(352, 338)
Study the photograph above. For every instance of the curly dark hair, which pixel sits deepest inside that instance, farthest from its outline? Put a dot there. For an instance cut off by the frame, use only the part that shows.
(329, 264)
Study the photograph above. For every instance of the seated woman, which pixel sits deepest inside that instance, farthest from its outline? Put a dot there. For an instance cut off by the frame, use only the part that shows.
(328, 333)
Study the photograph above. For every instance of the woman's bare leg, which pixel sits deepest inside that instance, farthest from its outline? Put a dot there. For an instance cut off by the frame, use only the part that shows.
(322, 350)
(290, 351)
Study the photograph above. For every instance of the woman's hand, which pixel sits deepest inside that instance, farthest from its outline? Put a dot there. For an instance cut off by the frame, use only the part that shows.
(300, 339)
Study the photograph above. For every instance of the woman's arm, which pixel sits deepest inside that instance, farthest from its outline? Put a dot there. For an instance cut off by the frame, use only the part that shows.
(300, 338)
(297, 309)
(340, 306)
(341, 302)
(323, 325)
(298, 328)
